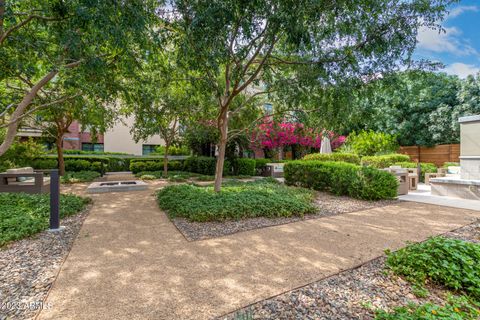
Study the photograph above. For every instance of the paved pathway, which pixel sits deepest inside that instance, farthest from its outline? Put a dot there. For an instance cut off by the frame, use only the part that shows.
(130, 262)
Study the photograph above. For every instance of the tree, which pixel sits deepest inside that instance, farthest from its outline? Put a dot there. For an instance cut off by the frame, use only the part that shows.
(85, 43)
(56, 120)
(275, 44)
(160, 100)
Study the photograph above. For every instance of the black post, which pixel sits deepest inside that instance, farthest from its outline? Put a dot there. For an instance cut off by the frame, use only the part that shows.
(54, 200)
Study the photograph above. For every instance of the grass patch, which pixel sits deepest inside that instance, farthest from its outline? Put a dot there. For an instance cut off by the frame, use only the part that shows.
(237, 200)
(22, 215)
(451, 263)
(80, 176)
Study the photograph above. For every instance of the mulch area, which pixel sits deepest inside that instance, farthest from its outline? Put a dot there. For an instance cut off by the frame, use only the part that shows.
(351, 294)
(28, 268)
(328, 205)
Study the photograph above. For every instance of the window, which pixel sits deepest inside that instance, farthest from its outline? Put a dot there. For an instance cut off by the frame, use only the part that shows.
(268, 108)
(92, 147)
(149, 148)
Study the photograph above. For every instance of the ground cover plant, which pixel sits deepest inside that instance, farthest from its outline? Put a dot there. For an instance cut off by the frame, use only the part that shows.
(80, 176)
(22, 215)
(456, 308)
(447, 262)
(238, 200)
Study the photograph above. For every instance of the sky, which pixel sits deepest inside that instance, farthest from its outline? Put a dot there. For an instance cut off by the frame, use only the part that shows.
(458, 48)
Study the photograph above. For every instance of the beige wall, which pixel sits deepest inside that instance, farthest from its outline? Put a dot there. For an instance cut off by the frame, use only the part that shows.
(470, 136)
(119, 139)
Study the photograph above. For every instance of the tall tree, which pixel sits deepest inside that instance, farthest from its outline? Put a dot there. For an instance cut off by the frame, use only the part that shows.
(86, 43)
(280, 43)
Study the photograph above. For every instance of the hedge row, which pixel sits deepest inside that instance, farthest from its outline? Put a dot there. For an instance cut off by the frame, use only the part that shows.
(345, 157)
(384, 161)
(73, 165)
(342, 179)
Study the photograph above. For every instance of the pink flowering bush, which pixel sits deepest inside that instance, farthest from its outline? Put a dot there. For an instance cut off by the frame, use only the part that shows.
(271, 135)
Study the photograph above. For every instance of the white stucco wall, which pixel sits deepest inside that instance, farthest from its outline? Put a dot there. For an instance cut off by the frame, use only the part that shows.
(119, 139)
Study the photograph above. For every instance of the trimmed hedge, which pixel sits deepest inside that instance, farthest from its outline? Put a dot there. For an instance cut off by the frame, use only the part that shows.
(152, 165)
(244, 166)
(384, 161)
(345, 157)
(342, 178)
(205, 165)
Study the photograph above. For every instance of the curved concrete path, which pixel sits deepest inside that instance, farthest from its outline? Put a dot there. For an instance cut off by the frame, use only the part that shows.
(130, 262)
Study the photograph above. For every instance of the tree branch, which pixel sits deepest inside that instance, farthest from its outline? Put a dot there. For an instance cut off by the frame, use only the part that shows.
(4, 35)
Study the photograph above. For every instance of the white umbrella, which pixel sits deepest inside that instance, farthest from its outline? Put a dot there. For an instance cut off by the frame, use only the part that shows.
(325, 146)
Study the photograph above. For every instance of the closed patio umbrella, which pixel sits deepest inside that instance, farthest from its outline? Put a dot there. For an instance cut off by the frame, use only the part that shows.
(325, 147)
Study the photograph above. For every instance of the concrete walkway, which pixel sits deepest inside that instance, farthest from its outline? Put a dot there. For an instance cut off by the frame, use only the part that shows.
(130, 262)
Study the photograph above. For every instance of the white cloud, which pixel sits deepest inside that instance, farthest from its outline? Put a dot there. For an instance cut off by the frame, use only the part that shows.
(455, 12)
(461, 69)
(444, 41)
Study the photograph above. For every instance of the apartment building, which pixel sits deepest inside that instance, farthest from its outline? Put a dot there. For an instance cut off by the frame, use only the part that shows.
(116, 139)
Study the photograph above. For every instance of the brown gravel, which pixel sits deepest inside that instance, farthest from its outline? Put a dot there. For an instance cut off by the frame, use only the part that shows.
(328, 205)
(28, 268)
(351, 294)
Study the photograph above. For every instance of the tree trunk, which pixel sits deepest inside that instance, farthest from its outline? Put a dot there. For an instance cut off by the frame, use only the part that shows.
(19, 111)
(61, 161)
(165, 160)
(223, 127)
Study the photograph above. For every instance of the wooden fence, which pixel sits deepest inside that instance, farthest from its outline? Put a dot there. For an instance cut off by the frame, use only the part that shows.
(438, 154)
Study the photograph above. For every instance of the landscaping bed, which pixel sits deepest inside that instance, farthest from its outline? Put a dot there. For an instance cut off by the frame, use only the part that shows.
(371, 291)
(29, 267)
(22, 215)
(326, 205)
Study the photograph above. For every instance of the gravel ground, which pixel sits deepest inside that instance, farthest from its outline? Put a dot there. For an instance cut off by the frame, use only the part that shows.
(328, 205)
(351, 294)
(28, 268)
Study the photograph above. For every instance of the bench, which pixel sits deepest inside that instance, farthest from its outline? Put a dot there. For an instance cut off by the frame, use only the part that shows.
(24, 180)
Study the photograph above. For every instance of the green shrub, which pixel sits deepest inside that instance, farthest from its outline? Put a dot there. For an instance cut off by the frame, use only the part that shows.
(44, 164)
(345, 157)
(369, 143)
(384, 161)
(244, 166)
(424, 166)
(80, 176)
(455, 308)
(138, 166)
(447, 262)
(342, 178)
(77, 165)
(240, 200)
(205, 165)
(22, 215)
(261, 162)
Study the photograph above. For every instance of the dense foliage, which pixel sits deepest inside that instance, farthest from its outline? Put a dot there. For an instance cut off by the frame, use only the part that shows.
(272, 134)
(418, 107)
(370, 143)
(244, 166)
(204, 165)
(22, 215)
(447, 262)
(345, 157)
(384, 161)
(263, 198)
(342, 178)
